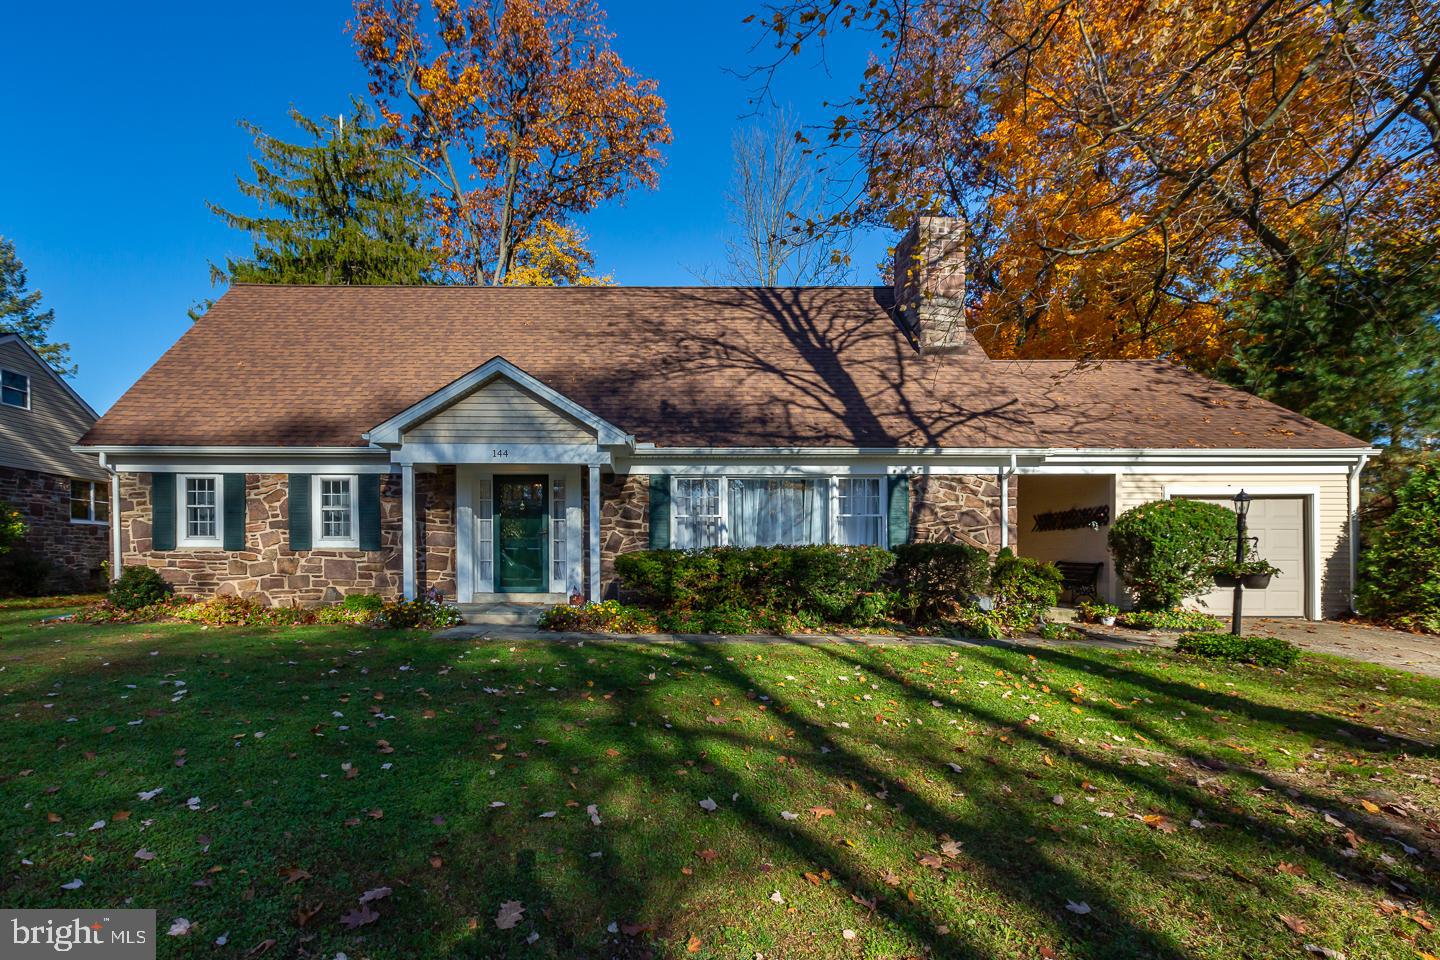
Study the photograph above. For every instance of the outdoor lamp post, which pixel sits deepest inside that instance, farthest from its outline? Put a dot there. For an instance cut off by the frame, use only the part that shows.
(1242, 507)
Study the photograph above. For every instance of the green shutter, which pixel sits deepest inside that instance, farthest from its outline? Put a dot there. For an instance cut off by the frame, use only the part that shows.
(899, 509)
(234, 511)
(367, 507)
(659, 512)
(162, 509)
(299, 511)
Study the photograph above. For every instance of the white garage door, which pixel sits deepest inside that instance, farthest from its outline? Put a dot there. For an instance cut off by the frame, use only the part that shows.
(1278, 524)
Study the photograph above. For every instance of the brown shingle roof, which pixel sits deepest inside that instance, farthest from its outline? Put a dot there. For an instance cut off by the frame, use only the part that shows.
(1154, 404)
(724, 367)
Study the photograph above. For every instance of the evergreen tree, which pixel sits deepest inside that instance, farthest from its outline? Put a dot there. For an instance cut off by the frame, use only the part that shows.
(345, 209)
(20, 312)
(1355, 345)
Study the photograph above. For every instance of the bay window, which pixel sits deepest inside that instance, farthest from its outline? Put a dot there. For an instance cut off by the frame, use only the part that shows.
(763, 511)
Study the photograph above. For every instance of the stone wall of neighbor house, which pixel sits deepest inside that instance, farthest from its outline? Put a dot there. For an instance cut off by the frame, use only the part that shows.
(961, 508)
(267, 569)
(73, 551)
(624, 523)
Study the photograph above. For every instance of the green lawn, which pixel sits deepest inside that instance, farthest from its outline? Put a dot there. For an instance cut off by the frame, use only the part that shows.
(965, 802)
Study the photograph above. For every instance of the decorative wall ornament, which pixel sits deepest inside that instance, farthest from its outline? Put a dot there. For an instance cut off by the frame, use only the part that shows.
(1072, 519)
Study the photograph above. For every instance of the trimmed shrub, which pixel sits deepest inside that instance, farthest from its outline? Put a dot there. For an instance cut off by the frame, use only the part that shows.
(1166, 551)
(814, 583)
(371, 603)
(1023, 588)
(423, 613)
(1176, 619)
(611, 616)
(1400, 568)
(138, 587)
(1261, 651)
(25, 573)
(935, 580)
(12, 527)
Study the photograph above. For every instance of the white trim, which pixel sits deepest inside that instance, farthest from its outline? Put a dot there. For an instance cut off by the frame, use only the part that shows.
(390, 432)
(54, 374)
(116, 555)
(95, 487)
(182, 512)
(501, 453)
(29, 391)
(650, 451)
(574, 533)
(594, 531)
(464, 533)
(317, 526)
(407, 530)
(1352, 495)
(1311, 532)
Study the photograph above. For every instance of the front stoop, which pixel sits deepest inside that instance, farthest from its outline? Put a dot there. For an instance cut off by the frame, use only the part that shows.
(508, 609)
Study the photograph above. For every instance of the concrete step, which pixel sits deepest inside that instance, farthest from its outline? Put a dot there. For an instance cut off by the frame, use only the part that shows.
(503, 614)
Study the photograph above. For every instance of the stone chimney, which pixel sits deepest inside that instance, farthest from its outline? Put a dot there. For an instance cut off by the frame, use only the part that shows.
(930, 284)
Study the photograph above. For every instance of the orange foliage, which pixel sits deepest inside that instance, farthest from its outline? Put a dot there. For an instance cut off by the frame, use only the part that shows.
(517, 113)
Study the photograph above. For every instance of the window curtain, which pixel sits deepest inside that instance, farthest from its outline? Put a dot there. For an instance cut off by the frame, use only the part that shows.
(770, 512)
(696, 504)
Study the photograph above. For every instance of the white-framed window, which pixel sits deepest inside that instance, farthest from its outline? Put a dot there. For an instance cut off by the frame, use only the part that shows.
(697, 512)
(776, 511)
(860, 511)
(335, 524)
(89, 501)
(202, 520)
(559, 545)
(14, 389)
(485, 533)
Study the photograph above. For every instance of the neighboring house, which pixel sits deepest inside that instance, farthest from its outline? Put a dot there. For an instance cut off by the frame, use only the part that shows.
(63, 496)
(302, 443)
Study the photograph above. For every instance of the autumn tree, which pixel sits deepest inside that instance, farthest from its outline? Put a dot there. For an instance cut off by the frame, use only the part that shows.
(776, 207)
(1118, 160)
(340, 208)
(554, 255)
(516, 112)
(21, 311)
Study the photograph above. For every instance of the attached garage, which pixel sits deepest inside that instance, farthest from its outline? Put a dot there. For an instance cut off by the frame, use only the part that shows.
(1278, 525)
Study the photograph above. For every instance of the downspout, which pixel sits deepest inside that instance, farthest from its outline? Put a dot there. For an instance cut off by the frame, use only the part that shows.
(1354, 497)
(1005, 473)
(115, 518)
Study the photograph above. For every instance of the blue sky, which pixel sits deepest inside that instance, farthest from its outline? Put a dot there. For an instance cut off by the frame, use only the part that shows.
(121, 124)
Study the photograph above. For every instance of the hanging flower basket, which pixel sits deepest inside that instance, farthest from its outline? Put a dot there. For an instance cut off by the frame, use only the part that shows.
(1226, 580)
(1256, 581)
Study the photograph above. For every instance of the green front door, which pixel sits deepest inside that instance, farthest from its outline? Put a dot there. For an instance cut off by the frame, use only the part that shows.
(522, 522)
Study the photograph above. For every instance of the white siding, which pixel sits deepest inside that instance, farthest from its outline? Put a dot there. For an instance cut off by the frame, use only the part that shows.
(499, 412)
(1332, 510)
(40, 438)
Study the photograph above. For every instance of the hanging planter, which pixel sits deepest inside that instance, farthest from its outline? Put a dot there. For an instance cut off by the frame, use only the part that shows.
(1256, 581)
(1251, 574)
(1226, 580)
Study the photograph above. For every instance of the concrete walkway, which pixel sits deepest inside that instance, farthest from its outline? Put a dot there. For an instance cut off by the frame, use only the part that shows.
(1415, 653)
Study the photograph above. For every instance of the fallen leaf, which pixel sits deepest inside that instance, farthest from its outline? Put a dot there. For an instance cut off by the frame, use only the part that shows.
(304, 913)
(708, 805)
(821, 812)
(709, 856)
(693, 944)
(1295, 924)
(1081, 908)
(260, 948)
(370, 896)
(510, 913)
(359, 918)
(143, 854)
(180, 928)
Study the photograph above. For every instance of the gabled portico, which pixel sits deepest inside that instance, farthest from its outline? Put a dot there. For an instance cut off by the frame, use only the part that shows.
(527, 463)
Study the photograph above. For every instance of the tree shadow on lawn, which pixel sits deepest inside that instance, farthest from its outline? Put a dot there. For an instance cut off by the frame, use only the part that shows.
(1020, 862)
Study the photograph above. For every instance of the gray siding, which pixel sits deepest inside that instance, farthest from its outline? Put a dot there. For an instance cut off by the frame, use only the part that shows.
(499, 412)
(40, 438)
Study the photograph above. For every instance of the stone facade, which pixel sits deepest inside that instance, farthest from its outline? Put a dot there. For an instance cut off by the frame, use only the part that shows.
(269, 571)
(960, 508)
(624, 523)
(942, 508)
(74, 552)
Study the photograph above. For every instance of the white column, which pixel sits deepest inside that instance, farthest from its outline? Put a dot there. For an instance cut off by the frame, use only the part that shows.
(464, 534)
(594, 533)
(407, 520)
(117, 556)
(1004, 508)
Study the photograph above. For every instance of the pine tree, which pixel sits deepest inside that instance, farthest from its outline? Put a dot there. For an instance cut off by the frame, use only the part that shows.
(1353, 344)
(20, 312)
(345, 208)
